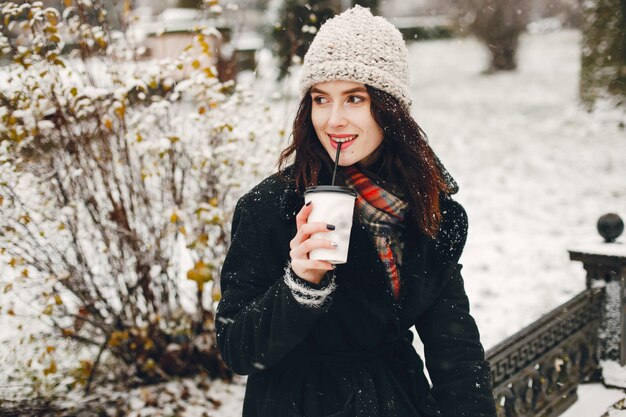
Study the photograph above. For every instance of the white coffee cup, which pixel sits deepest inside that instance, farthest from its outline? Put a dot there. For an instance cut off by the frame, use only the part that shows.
(332, 204)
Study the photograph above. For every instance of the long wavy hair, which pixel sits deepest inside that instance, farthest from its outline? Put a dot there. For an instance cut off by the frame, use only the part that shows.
(405, 158)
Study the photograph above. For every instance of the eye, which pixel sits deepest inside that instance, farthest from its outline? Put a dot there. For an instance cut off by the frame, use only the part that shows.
(356, 99)
(320, 100)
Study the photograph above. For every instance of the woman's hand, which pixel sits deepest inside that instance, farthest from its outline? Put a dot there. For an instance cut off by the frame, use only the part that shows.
(308, 269)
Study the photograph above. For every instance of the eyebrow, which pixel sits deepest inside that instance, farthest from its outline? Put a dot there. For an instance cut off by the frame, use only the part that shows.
(350, 91)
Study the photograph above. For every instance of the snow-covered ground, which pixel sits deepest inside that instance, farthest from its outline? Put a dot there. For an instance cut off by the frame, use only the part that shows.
(536, 171)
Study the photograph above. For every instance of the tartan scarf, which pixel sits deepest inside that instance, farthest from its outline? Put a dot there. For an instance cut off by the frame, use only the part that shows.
(383, 213)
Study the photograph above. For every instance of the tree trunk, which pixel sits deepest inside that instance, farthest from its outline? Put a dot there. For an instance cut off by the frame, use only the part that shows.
(603, 65)
(503, 55)
(498, 24)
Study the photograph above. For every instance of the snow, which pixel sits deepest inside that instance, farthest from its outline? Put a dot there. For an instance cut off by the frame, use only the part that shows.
(614, 375)
(536, 170)
(593, 400)
(599, 247)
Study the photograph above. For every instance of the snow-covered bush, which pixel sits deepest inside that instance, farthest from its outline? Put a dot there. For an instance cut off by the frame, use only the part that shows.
(118, 178)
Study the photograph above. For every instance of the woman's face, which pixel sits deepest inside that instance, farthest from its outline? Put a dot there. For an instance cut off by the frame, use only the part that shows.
(341, 113)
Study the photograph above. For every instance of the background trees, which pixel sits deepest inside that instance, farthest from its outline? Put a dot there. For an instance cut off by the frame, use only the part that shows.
(603, 70)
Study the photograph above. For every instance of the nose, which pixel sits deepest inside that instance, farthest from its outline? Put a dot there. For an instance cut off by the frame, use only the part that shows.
(337, 116)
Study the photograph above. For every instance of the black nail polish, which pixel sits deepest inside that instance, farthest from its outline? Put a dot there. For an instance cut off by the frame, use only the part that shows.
(308, 204)
(330, 226)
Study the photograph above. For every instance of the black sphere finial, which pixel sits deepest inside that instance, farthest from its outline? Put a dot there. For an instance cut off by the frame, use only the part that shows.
(610, 226)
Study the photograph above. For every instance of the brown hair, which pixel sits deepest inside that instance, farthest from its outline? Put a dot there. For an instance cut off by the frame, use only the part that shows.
(406, 160)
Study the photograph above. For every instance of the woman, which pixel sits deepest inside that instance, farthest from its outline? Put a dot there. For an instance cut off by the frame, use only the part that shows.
(318, 339)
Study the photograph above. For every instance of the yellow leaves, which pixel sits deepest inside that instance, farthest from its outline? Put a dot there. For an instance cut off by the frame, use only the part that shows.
(74, 91)
(174, 218)
(209, 73)
(8, 287)
(118, 338)
(195, 64)
(85, 364)
(61, 226)
(25, 218)
(11, 312)
(57, 299)
(216, 294)
(215, 220)
(120, 111)
(108, 123)
(173, 139)
(202, 110)
(25, 273)
(148, 345)
(67, 3)
(200, 273)
(182, 230)
(82, 372)
(213, 202)
(12, 262)
(47, 311)
(213, 105)
(53, 18)
(150, 365)
(67, 332)
(102, 43)
(138, 138)
(55, 38)
(203, 239)
(51, 369)
(50, 349)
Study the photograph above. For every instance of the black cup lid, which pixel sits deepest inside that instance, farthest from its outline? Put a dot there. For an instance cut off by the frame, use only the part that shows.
(331, 188)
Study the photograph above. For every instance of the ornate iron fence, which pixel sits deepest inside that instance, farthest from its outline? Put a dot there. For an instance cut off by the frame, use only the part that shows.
(536, 372)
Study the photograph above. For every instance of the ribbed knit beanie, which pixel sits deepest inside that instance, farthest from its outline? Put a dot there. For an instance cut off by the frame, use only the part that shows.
(357, 46)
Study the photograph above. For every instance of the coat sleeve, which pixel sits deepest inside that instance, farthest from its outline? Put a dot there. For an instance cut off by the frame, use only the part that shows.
(263, 313)
(455, 358)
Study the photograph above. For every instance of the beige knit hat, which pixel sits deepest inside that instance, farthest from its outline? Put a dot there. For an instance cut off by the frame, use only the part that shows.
(357, 46)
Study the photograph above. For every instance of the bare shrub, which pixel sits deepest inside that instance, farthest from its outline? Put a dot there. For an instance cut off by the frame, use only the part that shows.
(117, 181)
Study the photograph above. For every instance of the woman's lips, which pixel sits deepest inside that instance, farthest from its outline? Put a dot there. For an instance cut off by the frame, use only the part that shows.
(344, 145)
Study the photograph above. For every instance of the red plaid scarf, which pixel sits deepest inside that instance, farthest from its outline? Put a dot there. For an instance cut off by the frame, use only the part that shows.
(383, 212)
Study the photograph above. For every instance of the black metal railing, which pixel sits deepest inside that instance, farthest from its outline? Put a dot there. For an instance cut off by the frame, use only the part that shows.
(536, 372)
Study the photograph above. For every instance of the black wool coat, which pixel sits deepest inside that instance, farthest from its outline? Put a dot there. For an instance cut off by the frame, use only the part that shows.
(351, 356)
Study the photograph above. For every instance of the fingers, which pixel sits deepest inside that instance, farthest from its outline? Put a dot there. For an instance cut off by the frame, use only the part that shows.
(305, 231)
(301, 251)
(303, 215)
